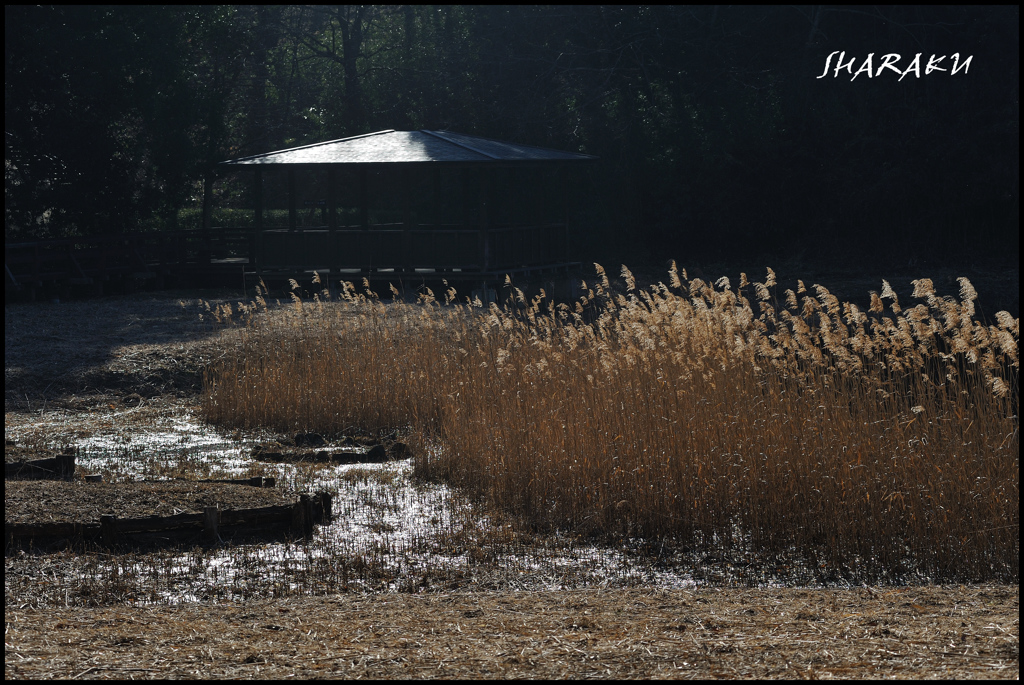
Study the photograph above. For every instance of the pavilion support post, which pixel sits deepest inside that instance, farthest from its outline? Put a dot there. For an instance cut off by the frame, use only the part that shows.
(293, 213)
(332, 213)
(364, 219)
(257, 192)
(207, 209)
(486, 191)
(470, 214)
(563, 185)
(435, 178)
(406, 185)
(364, 200)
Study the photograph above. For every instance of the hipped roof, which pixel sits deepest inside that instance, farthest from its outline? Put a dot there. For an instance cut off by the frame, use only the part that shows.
(389, 147)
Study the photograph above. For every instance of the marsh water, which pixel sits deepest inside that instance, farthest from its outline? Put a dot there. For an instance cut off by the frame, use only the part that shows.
(390, 531)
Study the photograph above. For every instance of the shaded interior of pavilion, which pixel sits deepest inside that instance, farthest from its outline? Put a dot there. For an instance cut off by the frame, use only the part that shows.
(379, 206)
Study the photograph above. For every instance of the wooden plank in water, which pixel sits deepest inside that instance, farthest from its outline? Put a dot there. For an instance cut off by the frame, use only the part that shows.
(299, 518)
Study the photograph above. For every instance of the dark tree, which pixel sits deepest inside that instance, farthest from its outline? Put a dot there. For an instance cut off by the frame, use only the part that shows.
(717, 138)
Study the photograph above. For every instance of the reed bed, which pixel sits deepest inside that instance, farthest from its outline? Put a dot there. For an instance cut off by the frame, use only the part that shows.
(876, 444)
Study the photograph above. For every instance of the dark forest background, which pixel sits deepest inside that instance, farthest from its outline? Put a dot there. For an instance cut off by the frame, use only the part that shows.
(715, 136)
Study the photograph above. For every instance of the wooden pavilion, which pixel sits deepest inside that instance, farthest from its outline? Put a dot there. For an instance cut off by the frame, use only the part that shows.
(411, 203)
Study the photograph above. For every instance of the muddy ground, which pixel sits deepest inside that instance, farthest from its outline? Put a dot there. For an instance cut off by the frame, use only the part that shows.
(77, 367)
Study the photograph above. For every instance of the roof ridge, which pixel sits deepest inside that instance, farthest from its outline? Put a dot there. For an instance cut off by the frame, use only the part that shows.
(455, 142)
(303, 147)
(509, 142)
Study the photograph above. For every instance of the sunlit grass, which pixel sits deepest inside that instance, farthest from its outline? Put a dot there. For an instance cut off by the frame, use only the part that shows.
(884, 442)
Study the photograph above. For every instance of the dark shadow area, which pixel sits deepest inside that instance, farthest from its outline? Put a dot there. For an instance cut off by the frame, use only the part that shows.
(128, 348)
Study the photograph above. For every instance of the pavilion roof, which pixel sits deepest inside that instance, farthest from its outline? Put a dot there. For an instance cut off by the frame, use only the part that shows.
(389, 147)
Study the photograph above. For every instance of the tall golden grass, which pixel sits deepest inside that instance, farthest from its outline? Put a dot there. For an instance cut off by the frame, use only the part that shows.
(879, 442)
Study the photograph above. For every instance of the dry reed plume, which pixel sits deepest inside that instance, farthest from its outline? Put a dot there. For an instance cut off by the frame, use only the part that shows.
(879, 443)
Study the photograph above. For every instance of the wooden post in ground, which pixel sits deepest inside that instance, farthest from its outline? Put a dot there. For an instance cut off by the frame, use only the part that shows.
(302, 517)
(322, 510)
(211, 522)
(307, 505)
(65, 466)
(108, 529)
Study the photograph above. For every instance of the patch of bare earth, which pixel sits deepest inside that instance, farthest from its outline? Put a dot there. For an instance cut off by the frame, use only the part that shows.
(915, 632)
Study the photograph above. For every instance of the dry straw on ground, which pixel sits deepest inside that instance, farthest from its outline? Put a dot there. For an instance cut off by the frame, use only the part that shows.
(883, 443)
(80, 616)
(709, 633)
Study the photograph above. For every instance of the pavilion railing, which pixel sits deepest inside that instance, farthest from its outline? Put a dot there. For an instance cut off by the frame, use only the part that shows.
(397, 246)
(91, 259)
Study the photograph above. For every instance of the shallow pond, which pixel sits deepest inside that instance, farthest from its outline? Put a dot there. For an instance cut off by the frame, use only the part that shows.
(390, 532)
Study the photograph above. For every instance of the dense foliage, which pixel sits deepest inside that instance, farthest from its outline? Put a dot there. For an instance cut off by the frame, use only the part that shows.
(716, 134)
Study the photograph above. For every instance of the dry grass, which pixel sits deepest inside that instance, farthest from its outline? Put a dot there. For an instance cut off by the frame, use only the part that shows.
(707, 633)
(466, 596)
(879, 444)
